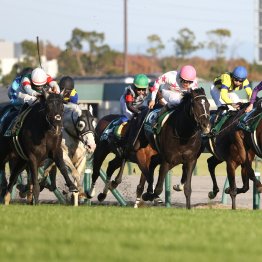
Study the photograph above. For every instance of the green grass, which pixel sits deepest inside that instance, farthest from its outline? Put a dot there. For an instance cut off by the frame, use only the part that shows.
(59, 233)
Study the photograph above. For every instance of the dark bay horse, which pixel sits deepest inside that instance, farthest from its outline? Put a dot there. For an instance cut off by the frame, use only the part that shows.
(236, 147)
(146, 158)
(179, 141)
(38, 138)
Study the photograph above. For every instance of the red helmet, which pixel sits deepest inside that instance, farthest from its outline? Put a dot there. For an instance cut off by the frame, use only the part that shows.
(188, 73)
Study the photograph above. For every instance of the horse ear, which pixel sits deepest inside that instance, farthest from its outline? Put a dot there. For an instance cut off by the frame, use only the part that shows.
(90, 109)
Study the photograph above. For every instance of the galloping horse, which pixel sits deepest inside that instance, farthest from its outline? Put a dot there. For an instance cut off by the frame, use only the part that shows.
(146, 158)
(38, 138)
(236, 147)
(78, 142)
(179, 141)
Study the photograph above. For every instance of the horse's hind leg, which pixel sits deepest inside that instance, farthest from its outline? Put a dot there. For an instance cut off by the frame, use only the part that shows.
(232, 190)
(139, 190)
(119, 163)
(212, 162)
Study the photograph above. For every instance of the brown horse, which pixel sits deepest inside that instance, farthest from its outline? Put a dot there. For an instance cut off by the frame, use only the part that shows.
(146, 158)
(238, 148)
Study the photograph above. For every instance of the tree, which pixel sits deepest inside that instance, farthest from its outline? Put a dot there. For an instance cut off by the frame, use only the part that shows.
(185, 43)
(156, 45)
(217, 42)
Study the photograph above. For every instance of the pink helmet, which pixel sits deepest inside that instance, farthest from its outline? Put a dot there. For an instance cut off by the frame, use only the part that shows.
(188, 73)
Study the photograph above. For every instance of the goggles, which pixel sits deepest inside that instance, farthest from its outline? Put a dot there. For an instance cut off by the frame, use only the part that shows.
(238, 79)
(185, 81)
(141, 89)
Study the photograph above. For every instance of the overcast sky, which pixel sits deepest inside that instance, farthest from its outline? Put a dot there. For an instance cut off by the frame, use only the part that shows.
(54, 20)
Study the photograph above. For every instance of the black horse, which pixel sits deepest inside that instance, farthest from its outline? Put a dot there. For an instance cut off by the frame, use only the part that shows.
(236, 147)
(179, 141)
(38, 138)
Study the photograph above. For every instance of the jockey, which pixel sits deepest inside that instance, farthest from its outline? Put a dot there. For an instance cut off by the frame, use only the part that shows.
(172, 85)
(12, 89)
(254, 96)
(70, 96)
(133, 101)
(32, 84)
(225, 85)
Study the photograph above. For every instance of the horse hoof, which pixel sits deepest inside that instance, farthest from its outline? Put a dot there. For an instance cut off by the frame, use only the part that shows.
(227, 190)
(179, 187)
(101, 197)
(211, 195)
(158, 201)
(148, 196)
(7, 198)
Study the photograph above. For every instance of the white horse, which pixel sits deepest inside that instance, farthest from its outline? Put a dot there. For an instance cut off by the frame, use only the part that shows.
(78, 141)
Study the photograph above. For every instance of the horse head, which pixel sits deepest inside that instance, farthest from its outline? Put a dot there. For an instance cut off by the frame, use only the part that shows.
(200, 109)
(54, 109)
(85, 129)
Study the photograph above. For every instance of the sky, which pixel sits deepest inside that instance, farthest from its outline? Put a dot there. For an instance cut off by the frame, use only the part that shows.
(54, 20)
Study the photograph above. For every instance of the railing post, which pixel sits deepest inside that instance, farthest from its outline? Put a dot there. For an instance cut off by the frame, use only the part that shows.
(115, 192)
(224, 195)
(168, 189)
(256, 195)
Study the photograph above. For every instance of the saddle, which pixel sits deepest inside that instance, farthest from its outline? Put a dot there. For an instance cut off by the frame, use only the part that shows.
(218, 125)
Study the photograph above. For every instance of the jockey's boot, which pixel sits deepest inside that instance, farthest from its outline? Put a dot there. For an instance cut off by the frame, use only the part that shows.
(163, 110)
(219, 114)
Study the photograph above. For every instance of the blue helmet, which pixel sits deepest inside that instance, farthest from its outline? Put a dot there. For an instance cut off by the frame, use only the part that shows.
(240, 73)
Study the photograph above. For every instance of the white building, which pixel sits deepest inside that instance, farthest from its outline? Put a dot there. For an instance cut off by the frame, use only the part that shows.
(11, 53)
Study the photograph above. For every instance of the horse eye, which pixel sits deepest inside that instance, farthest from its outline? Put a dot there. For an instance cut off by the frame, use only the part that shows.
(81, 125)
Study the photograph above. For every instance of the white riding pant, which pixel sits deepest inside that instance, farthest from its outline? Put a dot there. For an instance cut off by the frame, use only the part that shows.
(173, 98)
(216, 95)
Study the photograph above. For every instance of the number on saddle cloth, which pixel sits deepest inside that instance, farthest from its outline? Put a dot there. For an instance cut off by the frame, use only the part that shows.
(114, 129)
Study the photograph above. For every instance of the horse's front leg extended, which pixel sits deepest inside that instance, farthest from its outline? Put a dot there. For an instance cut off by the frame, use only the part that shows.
(188, 169)
(101, 152)
(34, 180)
(212, 162)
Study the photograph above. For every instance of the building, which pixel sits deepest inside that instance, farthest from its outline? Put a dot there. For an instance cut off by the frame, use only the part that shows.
(11, 53)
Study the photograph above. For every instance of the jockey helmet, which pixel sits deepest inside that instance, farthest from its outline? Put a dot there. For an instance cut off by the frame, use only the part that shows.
(66, 83)
(39, 77)
(240, 73)
(141, 81)
(188, 73)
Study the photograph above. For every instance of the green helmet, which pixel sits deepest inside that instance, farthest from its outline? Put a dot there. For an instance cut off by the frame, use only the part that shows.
(141, 81)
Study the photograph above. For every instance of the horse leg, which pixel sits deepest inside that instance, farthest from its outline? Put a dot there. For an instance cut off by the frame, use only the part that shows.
(15, 171)
(232, 190)
(3, 183)
(188, 169)
(62, 168)
(119, 176)
(34, 180)
(112, 166)
(212, 162)
(139, 190)
(180, 187)
(251, 175)
(101, 152)
(164, 168)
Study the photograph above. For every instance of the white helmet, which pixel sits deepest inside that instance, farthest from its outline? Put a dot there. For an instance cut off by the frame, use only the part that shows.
(39, 77)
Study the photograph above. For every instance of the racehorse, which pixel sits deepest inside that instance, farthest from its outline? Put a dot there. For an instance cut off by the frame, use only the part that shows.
(78, 143)
(179, 140)
(236, 147)
(38, 138)
(146, 158)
